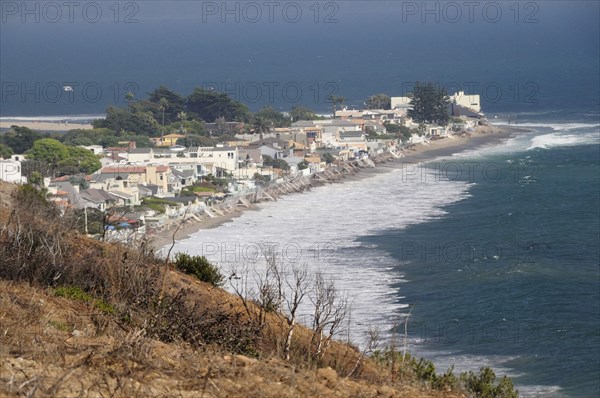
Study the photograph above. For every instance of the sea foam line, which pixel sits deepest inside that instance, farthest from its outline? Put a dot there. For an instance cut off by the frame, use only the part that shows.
(331, 219)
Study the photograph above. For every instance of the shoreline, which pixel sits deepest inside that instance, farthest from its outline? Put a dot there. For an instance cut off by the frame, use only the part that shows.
(45, 126)
(418, 153)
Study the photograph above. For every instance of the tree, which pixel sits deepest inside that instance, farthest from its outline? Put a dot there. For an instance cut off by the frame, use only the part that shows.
(5, 151)
(181, 116)
(276, 163)
(210, 105)
(330, 310)
(303, 165)
(81, 160)
(121, 121)
(261, 126)
(301, 113)
(199, 267)
(379, 101)
(36, 179)
(129, 97)
(173, 103)
(48, 150)
(276, 118)
(163, 107)
(21, 139)
(327, 158)
(429, 104)
(87, 137)
(192, 127)
(334, 99)
(69, 159)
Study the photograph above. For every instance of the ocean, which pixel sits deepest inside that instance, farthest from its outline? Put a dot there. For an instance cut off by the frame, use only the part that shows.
(494, 251)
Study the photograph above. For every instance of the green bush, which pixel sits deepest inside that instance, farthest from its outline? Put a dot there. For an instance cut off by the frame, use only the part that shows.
(76, 293)
(200, 267)
(483, 385)
(478, 385)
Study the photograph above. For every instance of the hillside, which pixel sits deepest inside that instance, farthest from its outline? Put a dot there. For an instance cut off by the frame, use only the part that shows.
(83, 318)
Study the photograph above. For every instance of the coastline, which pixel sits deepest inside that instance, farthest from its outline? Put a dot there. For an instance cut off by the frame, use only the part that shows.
(45, 125)
(418, 153)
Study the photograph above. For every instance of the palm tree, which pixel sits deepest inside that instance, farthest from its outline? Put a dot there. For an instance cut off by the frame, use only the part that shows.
(129, 97)
(182, 116)
(163, 106)
(336, 100)
(261, 126)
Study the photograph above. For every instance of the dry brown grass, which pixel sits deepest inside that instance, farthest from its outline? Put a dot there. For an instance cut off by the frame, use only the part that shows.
(157, 333)
(50, 346)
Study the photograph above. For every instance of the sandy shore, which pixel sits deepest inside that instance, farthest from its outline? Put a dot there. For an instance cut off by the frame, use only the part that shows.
(45, 126)
(484, 136)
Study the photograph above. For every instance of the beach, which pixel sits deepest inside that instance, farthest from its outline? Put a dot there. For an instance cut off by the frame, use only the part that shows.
(45, 125)
(418, 153)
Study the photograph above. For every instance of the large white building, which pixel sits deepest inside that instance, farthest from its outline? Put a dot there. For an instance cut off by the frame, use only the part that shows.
(10, 171)
(471, 101)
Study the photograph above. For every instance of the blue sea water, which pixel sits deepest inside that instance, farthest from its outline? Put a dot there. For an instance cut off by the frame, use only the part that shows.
(512, 271)
(494, 252)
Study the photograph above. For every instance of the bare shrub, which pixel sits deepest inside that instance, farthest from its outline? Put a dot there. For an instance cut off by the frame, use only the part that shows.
(330, 309)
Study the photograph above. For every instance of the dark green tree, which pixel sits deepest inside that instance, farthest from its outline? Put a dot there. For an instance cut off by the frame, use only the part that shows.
(199, 267)
(276, 163)
(121, 121)
(327, 158)
(276, 118)
(192, 127)
(21, 139)
(429, 104)
(261, 126)
(210, 105)
(5, 151)
(379, 101)
(335, 99)
(303, 165)
(129, 97)
(80, 160)
(87, 137)
(301, 113)
(173, 103)
(48, 150)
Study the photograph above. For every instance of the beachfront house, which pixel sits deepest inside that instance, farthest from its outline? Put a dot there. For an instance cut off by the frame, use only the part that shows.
(354, 140)
(470, 101)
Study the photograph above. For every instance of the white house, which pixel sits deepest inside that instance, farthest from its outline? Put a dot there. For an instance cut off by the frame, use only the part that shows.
(400, 102)
(468, 101)
(10, 171)
(222, 157)
(354, 140)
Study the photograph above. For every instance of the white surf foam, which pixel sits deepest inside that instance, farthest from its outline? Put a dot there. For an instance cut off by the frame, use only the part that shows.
(319, 229)
(560, 139)
(560, 126)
